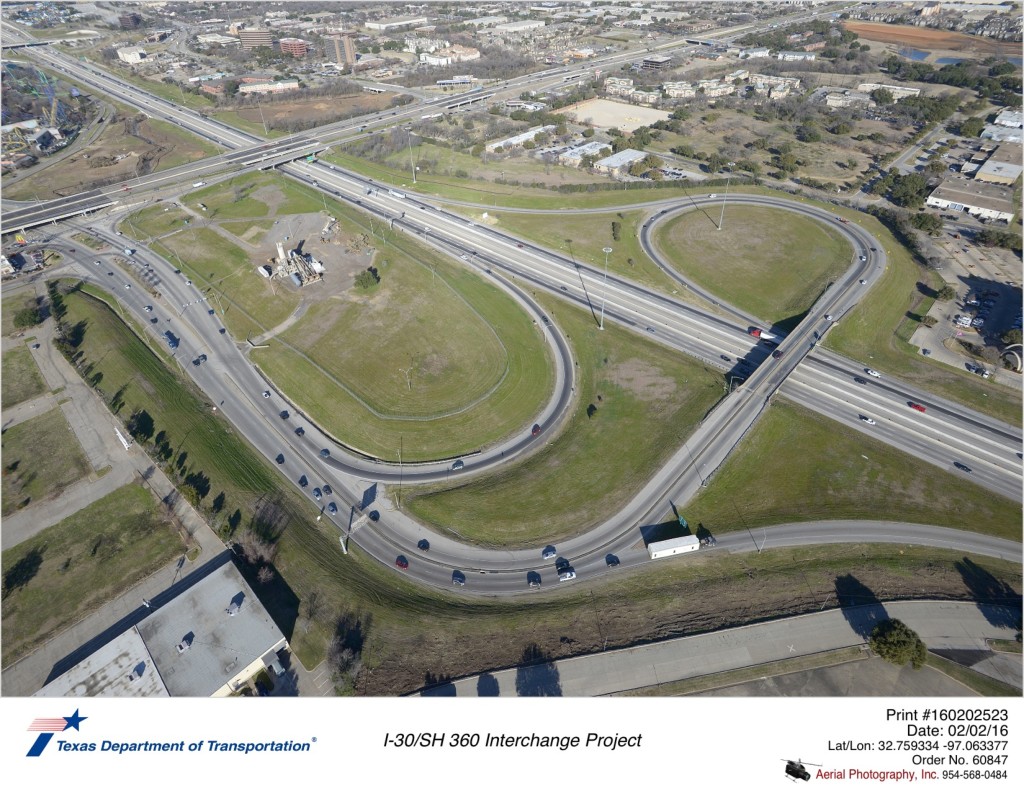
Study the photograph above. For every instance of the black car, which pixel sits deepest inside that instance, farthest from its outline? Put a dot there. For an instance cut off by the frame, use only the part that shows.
(777, 354)
(860, 381)
(423, 545)
(280, 458)
(284, 414)
(300, 431)
(611, 560)
(961, 466)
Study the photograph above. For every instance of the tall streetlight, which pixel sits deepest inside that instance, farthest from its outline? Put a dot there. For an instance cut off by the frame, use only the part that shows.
(604, 296)
(412, 164)
(725, 197)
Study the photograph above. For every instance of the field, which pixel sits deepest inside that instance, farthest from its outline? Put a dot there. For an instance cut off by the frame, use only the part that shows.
(773, 264)
(320, 110)
(605, 113)
(20, 379)
(835, 472)
(433, 361)
(65, 572)
(41, 457)
(590, 234)
(413, 636)
(124, 147)
(645, 399)
(155, 221)
(931, 39)
(10, 307)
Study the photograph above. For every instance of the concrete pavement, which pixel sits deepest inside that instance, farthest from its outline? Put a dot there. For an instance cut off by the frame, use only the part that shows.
(947, 626)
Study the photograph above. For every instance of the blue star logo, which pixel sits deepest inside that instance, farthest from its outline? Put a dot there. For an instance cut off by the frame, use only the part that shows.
(73, 721)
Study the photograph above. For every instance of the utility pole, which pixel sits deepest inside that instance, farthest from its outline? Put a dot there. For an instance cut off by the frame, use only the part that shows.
(724, 199)
(401, 471)
(604, 295)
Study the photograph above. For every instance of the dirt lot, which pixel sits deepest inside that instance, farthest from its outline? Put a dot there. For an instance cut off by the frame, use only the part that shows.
(938, 42)
(320, 109)
(604, 113)
(122, 149)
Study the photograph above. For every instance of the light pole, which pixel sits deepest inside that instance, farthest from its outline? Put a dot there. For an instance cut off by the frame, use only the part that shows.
(412, 164)
(604, 295)
(724, 199)
(264, 120)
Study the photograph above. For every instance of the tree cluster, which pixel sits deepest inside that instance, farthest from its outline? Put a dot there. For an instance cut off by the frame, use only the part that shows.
(896, 642)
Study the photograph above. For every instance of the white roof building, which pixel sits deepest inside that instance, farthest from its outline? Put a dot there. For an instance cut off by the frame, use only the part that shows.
(517, 140)
(1008, 117)
(1002, 134)
(986, 201)
(131, 54)
(618, 161)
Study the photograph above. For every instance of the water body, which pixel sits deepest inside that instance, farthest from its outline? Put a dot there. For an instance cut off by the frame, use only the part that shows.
(946, 61)
(914, 54)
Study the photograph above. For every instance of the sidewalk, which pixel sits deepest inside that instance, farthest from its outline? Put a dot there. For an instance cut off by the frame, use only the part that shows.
(942, 626)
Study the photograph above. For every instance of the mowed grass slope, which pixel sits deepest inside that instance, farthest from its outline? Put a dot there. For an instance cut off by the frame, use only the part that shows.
(434, 361)
(646, 399)
(41, 457)
(20, 379)
(796, 466)
(200, 441)
(65, 572)
(769, 262)
(155, 221)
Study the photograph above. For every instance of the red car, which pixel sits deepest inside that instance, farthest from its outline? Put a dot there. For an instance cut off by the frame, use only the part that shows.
(536, 429)
(918, 407)
(401, 562)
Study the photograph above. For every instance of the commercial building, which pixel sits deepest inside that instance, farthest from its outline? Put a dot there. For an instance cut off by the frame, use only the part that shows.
(574, 156)
(656, 62)
(207, 641)
(789, 55)
(129, 21)
(985, 201)
(516, 141)
(1002, 167)
(251, 39)
(1002, 134)
(217, 38)
(846, 98)
(131, 54)
(898, 91)
(295, 47)
(486, 21)
(1011, 118)
(755, 52)
(619, 161)
(396, 23)
(270, 87)
(520, 27)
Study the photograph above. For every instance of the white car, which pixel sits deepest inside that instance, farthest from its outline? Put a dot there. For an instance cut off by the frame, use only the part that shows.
(148, 308)
(872, 372)
(863, 282)
(867, 420)
(567, 575)
(863, 258)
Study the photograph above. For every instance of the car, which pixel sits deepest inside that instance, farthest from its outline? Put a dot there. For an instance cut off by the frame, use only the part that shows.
(918, 407)
(154, 320)
(828, 317)
(35, 345)
(332, 509)
(713, 195)
(401, 562)
(533, 582)
(874, 249)
(520, 246)
(961, 466)
(96, 262)
(280, 458)
(611, 560)
(458, 464)
(374, 516)
(872, 372)
(464, 257)
(325, 453)
(188, 282)
(266, 394)
(926, 352)
(867, 420)
(423, 545)
(535, 430)
(284, 414)
(327, 489)
(148, 308)
(777, 354)
(458, 578)
(317, 494)
(196, 362)
(863, 282)
(303, 481)
(110, 273)
(863, 258)
(548, 553)
(567, 575)
(562, 288)
(127, 285)
(300, 431)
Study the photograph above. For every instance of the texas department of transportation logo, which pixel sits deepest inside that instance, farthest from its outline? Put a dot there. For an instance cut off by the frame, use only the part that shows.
(47, 726)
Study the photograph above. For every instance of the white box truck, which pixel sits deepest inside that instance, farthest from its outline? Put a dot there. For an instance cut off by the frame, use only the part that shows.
(673, 546)
(199, 184)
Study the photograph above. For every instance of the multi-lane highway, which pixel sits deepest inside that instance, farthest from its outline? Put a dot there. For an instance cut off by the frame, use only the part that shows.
(827, 383)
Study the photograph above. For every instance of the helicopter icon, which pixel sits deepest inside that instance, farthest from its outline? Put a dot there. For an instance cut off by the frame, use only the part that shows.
(795, 770)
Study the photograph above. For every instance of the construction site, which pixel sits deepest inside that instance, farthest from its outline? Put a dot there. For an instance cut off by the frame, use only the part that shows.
(301, 267)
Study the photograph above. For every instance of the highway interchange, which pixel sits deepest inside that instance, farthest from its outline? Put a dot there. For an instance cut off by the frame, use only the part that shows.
(820, 380)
